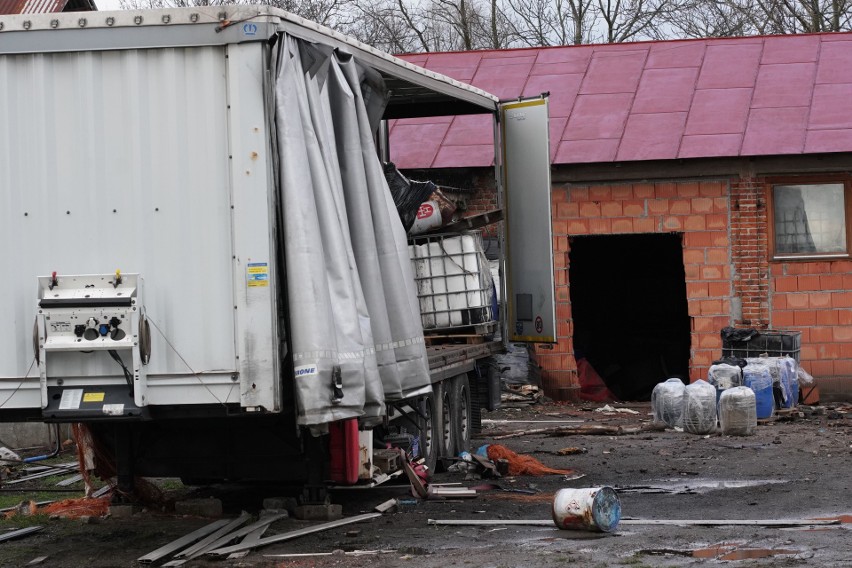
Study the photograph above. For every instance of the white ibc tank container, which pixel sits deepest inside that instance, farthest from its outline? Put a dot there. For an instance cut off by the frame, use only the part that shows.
(453, 281)
(699, 408)
(738, 412)
(667, 402)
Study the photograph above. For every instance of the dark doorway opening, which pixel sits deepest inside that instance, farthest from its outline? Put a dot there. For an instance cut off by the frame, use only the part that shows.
(628, 301)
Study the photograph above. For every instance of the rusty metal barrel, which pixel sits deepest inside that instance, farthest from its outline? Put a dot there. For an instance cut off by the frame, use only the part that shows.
(590, 509)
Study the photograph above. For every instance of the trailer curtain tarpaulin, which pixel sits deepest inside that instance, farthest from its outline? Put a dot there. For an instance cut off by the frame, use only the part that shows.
(355, 323)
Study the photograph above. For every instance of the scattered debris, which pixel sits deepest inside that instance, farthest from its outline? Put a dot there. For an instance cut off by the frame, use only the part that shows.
(587, 430)
(294, 534)
(76, 508)
(8, 457)
(49, 471)
(521, 464)
(386, 506)
(334, 553)
(20, 533)
(15, 507)
(250, 538)
(490, 421)
(696, 486)
(201, 546)
(530, 394)
(724, 552)
(37, 560)
(611, 410)
(102, 491)
(449, 492)
(71, 480)
(179, 544)
(570, 451)
(228, 538)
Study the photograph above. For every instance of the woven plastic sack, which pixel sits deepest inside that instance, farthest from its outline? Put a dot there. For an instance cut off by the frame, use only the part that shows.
(699, 408)
(738, 412)
(667, 403)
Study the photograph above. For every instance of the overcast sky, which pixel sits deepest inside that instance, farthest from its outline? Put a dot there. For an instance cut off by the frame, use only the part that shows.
(105, 5)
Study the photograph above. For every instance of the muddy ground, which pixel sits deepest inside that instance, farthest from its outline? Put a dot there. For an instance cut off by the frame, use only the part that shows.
(796, 469)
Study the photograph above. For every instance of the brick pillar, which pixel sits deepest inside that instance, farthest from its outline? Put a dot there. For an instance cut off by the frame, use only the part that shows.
(750, 252)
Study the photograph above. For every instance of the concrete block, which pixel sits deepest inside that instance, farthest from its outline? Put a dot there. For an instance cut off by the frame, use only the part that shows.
(319, 512)
(273, 512)
(209, 507)
(275, 503)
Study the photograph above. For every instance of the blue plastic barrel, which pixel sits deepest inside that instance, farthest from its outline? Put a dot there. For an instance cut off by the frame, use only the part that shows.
(758, 378)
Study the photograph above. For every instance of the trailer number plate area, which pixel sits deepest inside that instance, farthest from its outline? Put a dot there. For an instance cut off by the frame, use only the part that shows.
(71, 399)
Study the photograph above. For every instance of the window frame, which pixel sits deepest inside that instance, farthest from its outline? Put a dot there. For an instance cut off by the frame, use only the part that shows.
(845, 179)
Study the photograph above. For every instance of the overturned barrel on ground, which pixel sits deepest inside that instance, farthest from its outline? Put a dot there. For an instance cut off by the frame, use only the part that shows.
(590, 509)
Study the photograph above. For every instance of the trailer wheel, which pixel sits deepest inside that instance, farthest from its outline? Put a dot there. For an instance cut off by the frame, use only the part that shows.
(429, 432)
(447, 428)
(461, 413)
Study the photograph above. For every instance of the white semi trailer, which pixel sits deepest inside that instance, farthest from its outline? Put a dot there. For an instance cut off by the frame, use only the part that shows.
(201, 260)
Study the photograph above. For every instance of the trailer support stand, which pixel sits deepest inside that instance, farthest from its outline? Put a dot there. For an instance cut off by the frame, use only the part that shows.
(124, 464)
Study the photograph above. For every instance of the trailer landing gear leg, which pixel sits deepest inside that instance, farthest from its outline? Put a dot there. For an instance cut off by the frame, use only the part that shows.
(314, 502)
(124, 497)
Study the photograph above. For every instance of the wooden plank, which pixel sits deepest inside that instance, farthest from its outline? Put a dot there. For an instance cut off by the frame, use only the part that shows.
(253, 536)
(386, 506)
(295, 534)
(246, 530)
(182, 542)
(200, 547)
(70, 481)
(20, 533)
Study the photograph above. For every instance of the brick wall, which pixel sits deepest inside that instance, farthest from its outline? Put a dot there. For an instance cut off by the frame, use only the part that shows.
(697, 209)
(816, 299)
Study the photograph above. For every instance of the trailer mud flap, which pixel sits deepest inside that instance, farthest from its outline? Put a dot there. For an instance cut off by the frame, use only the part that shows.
(91, 403)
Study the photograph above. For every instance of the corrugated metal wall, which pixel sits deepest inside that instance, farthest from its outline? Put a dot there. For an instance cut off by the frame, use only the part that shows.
(119, 159)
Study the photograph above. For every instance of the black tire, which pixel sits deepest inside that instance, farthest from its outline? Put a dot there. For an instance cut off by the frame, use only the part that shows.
(429, 432)
(461, 413)
(446, 428)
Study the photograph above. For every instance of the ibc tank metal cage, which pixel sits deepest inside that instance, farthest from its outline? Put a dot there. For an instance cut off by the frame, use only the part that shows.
(775, 343)
(454, 284)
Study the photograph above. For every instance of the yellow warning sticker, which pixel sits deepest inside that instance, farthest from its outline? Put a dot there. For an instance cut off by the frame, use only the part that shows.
(93, 397)
(257, 274)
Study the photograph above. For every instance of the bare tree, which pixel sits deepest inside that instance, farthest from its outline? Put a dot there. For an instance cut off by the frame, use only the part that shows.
(797, 16)
(554, 22)
(708, 18)
(631, 20)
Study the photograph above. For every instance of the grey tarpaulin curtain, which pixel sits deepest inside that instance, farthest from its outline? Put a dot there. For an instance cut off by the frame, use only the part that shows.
(354, 313)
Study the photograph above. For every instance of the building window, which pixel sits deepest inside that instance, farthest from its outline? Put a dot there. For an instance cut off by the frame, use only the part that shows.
(809, 219)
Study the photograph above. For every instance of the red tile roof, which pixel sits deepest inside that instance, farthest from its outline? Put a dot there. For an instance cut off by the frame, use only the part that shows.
(752, 96)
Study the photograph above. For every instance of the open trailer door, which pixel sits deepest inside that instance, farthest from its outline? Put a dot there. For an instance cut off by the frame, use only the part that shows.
(528, 237)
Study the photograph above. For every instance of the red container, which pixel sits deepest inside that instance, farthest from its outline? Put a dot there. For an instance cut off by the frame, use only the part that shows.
(344, 451)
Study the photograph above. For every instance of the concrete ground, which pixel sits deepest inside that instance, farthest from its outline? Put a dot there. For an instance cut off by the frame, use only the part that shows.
(797, 469)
